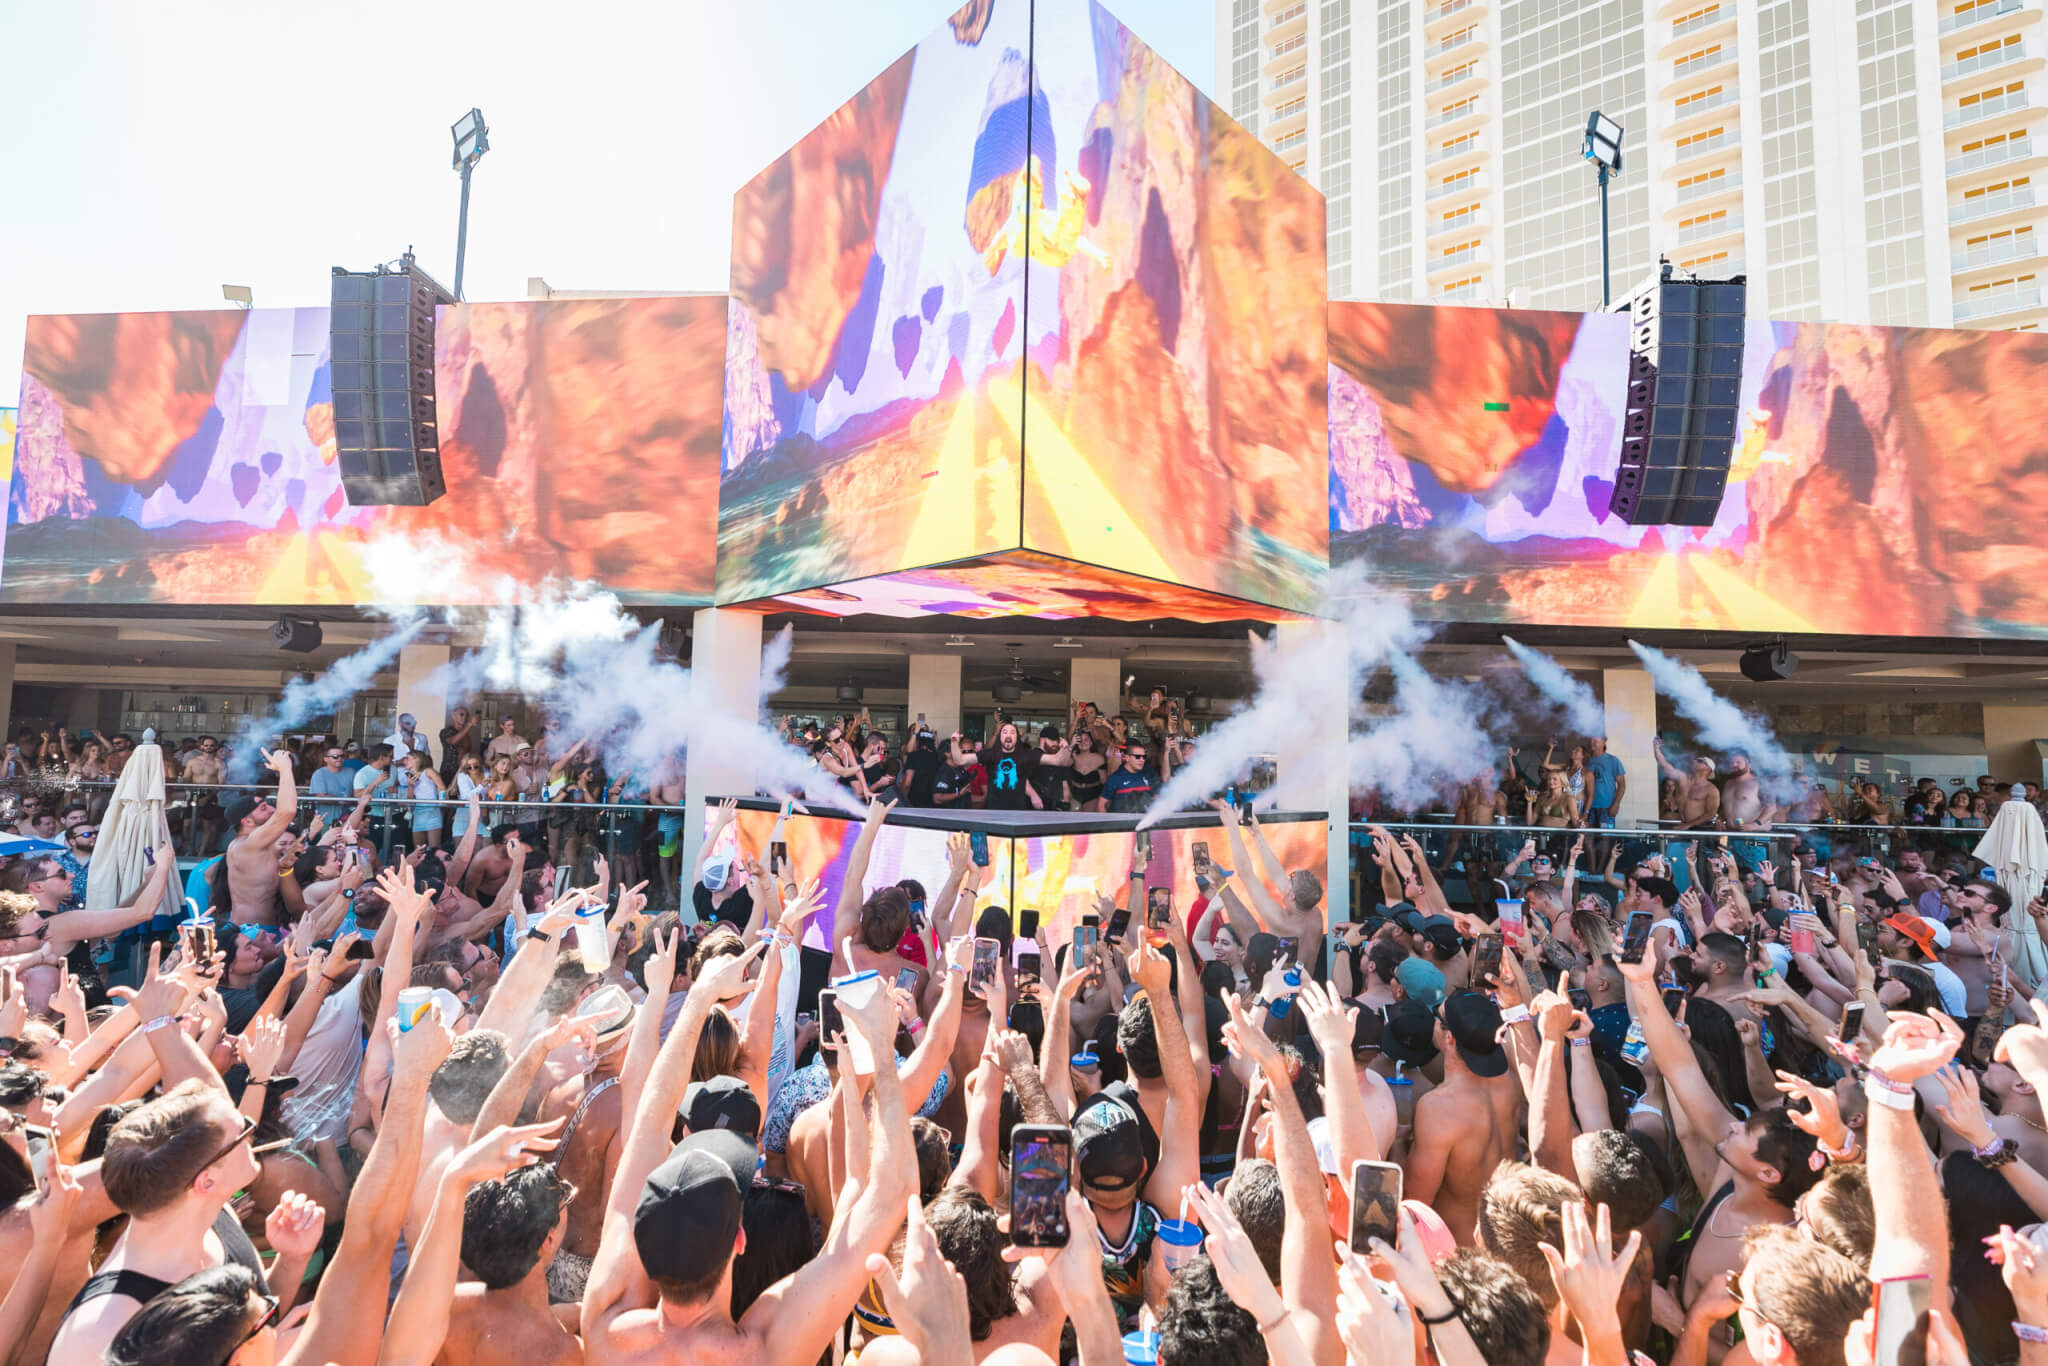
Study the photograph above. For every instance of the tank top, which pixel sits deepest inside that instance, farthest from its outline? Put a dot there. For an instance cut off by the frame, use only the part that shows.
(1123, 1264)
(234, 1245)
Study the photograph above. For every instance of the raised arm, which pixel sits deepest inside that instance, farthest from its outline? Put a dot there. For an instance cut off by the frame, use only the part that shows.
(1180, 1138)
(1333, 1024)
(1683, 1080)
(1265, 910)
(846, 915)
(272, 830)
(1905, 1192)
(73, 926)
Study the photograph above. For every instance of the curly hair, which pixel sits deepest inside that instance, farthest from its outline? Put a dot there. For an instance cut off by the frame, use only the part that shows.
(965, 1228)
(1521, 1209)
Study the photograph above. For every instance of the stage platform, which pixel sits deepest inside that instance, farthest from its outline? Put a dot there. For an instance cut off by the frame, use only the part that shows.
(1053, 862)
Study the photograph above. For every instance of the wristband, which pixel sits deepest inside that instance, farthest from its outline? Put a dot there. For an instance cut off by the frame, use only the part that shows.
(1884, 1095)
(1580, 1043)
(1281, 1318)
(1997, 1154)
(254, 1082)
(1876, 1079)
(1445, 1317)
(160, 1022)
(1842, 1154)
(1514, 1014)
(2027, 1332)
(915, 1027)
(539, 936)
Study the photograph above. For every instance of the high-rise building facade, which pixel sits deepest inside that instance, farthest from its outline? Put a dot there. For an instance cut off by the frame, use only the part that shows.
(1858, 160)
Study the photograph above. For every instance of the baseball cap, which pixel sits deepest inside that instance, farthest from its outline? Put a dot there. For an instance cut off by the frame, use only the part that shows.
(1109, 1149)
(239, 810)
(1776, 918)
(1444, 936)
(1474, 1022)
(722, 1102)
(1407, 917)
(1365, 1034)
(717, 869)
(1409, 1033)
(1938, 930)
(1423, 981)
(1916, 928)
(687, 1220)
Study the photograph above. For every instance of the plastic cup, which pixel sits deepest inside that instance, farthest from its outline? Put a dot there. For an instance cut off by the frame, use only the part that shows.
(413, 1003)
(1181, 1240)
(1141, 1349)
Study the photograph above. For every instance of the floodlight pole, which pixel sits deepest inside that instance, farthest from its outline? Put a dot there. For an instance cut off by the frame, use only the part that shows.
(469, 163)
(1606, 293)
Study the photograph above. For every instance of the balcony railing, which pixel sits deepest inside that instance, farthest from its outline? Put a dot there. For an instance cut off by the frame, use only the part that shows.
(2002, 103)
(1994, 154)
(1979, 14)
(1700, 66)
(1452, 115)
(1716, 227)
(1989, 303)
(1469, 185)
(1294, 44)
(1464, 256)
(1452, 43)
(1451, 78)
(2020, 248)
(1998, 201)
(1446, 10)
(1464, 222)
(1457, 149)
(1461, 293)
(1698, 22)
(1291, 141)
(1704, 189)
(1989, 57)
(1290, 109)
(1687, 110)
(1290, 14)
(1288, 78)
(1702, 148)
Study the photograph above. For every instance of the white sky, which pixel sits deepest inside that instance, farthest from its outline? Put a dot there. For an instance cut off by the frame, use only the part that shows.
(155, 151)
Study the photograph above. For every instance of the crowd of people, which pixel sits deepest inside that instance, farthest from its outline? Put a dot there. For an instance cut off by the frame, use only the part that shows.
(1702, 1106)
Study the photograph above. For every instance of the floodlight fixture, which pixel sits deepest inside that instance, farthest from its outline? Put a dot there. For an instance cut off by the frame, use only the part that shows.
(472, 139)
(1603, 142)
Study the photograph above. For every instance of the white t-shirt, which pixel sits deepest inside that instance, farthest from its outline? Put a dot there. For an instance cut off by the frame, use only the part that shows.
(327, 1066)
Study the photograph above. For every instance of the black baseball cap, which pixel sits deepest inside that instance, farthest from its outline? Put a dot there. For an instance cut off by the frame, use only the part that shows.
(722, 1103)
(1410, 1033)
(240, 809)
(1474, 1022)
(1109, 1146)
(1444, 935)
(687, 1221)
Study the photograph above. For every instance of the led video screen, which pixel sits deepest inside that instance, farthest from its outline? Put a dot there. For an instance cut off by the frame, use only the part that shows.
(1027, 289)
(189, 457)
(1885, 481)
(1175, 419)
(1021, 584)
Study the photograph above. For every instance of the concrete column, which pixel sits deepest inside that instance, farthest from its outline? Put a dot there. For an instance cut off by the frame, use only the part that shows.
(423, 692)
(1631, 700)
(1326, 732)
(7, 649)
(935, 691)
(725, 675)
(1097, 680)
(2009, 735)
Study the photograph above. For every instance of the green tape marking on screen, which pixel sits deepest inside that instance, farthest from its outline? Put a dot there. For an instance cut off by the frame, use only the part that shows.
(1496, 407)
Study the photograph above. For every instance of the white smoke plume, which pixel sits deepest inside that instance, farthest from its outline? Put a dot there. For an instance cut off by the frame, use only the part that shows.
(1428, 739)
(1721, 724)
(573, 650)
(1574, 700)
(305, 698)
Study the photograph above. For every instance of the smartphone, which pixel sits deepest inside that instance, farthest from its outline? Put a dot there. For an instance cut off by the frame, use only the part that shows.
(40, 1143)
(399, 851)
(1201, 858)
(1290, 949)
(1486, 956)
(1866, 939)
(1581, 999)
(830, 1021)
(1901, 1334)
(1084, 944)
(1852, 1022)
(351, 855)
(1118, 923)
(906, 978)
(1158, 907)
(977, 841)
(1636, 937)
(362, 948)
(1674, 1000)
(917, 913)
(1027, 924)
(1091, 918)
(778, 854)
(562, 879)
(1512, 927)
(1375, 1204)
(988, 959)
(1041, 1166)
(1145, 844)
(1029, 964)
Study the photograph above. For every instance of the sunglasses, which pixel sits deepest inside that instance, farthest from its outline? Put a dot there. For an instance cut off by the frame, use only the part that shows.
(84, 832)
(248, 1126)
(270, 1308)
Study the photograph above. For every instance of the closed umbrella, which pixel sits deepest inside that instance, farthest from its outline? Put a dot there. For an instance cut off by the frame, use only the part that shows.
(134, 821)
(2015, 849)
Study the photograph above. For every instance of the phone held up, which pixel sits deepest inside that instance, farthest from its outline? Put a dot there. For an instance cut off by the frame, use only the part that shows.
(1041, 1163)
(1375, 1203)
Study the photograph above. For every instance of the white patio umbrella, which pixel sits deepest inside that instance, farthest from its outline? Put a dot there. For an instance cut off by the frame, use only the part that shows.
(134, 821)
(2015, 849)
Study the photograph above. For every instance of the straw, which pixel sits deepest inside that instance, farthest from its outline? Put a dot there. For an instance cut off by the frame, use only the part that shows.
(1184, 1207)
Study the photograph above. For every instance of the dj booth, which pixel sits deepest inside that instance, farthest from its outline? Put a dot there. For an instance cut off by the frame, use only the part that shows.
(1053, 862)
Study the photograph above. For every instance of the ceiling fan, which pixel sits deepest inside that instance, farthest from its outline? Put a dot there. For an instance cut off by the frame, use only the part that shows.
(1009, 685)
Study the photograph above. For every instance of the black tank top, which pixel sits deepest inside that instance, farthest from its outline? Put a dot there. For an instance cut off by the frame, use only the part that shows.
(234, 1244)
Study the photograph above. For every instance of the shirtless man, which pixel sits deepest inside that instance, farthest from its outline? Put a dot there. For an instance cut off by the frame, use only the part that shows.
(511, 1228)
(1764, 1163)
(661, 1288)
(1468, 1123)
(587, 1156)
(1742, 800)
(495, 862)
(1296, 915)
(1699, 801)
(666, 792)
(258, 825)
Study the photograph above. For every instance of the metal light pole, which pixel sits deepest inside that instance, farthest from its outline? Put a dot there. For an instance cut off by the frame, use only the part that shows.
(1602, 147)
(1606, 289)
(472, 140)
